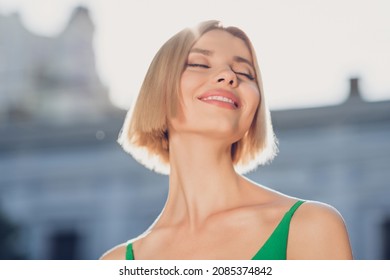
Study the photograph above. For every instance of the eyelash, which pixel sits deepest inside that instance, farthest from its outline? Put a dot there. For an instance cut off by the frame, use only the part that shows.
(198, 65)
(249, 76)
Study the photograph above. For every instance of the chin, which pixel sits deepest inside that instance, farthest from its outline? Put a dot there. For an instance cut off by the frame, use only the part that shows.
(217, 128)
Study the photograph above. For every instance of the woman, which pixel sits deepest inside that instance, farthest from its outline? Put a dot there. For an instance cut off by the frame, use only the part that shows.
(201, 117)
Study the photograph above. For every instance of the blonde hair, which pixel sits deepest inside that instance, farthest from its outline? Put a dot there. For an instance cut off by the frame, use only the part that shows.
(144, 134)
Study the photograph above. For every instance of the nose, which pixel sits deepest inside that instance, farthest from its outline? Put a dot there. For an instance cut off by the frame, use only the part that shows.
(226, 76)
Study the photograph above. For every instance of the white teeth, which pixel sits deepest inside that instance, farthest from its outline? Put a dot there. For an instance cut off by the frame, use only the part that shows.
(219, 98)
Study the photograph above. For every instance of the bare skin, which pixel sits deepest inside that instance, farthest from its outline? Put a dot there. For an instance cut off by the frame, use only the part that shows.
(211, 211)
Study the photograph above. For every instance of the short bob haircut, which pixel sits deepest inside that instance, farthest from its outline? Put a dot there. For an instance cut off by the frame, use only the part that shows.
(145, 135)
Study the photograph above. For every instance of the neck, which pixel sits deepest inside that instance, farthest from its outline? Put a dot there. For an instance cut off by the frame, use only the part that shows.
(202, 182)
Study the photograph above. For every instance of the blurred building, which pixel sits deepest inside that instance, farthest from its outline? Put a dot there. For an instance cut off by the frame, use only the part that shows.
(41, 77)
(74, 193)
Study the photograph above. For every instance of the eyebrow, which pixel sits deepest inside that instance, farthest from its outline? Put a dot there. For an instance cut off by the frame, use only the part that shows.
(202, 51)
(240, 59)
(236, 58)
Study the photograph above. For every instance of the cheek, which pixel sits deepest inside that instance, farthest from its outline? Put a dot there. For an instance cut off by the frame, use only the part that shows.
(191, 86)
(184, 83)
(188, 84)
(186, 88)
(252, 98)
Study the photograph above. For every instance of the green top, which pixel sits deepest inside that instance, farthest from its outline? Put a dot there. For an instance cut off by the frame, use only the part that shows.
(275, 248)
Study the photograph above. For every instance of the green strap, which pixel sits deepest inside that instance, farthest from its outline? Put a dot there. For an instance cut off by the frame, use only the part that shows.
(129, 251)
(275, 248)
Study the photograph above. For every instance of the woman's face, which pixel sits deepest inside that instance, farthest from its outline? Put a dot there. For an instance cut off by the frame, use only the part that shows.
(219, 93)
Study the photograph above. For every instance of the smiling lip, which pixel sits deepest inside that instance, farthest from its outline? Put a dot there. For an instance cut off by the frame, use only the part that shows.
(222, 98)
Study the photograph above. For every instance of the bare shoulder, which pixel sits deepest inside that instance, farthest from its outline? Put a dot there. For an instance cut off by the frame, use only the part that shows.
(318, 231)
(116, 253)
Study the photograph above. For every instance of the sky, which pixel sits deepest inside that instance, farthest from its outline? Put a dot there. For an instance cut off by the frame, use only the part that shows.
(307, 49)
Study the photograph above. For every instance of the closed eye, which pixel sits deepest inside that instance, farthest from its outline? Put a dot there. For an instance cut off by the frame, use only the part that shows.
(248, 76)
(198, 65)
